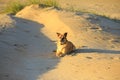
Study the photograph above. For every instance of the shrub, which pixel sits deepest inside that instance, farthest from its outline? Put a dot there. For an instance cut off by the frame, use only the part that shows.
(14, 7)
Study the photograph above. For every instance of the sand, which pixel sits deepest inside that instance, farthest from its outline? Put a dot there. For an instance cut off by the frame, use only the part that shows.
(108, 8)
(27, 41)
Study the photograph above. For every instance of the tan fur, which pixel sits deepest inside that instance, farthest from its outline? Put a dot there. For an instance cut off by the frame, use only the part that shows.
(64, 49)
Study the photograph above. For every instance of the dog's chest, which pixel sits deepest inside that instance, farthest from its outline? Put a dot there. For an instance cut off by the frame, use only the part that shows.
(60, 47)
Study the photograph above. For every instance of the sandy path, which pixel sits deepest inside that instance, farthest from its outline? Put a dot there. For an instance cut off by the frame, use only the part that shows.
(86, 66)
(22, 48)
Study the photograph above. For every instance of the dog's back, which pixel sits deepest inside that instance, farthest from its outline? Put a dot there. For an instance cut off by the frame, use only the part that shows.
(69, 47)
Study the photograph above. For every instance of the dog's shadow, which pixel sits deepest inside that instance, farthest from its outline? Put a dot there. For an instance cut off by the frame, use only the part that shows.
(78, 51)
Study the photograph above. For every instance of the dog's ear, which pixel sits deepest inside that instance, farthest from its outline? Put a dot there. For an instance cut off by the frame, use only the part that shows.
(65, 34)
(58, 34)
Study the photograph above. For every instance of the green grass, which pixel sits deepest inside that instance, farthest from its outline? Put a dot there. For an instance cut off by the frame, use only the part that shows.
(34, 1)
(14, 7)
(45, 3)
(50, 3)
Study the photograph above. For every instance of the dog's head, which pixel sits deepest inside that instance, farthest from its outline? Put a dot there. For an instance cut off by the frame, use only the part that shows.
(62, 38)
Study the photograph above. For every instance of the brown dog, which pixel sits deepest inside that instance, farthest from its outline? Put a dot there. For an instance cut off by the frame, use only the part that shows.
(63, 45)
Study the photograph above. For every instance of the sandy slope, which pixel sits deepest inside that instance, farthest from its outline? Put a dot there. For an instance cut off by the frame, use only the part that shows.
(27, 41)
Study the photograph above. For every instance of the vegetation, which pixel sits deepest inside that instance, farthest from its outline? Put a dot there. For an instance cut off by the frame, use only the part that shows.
(14, 7)
(45, 3)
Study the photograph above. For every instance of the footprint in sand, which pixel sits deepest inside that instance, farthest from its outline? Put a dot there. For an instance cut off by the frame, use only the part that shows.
(20, 47)
(47, 68)
(112, 46)
(36, 36)
(27, 31)
(111, 57)
(6, 75)
(115, 40)
(95, 28)
(89, 57)
(116, 58)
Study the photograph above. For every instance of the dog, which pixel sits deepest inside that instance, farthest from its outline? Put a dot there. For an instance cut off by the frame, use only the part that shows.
(64, 46)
